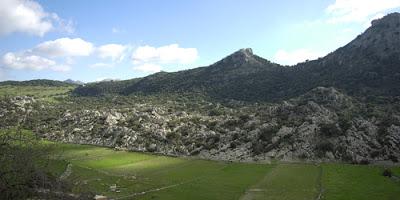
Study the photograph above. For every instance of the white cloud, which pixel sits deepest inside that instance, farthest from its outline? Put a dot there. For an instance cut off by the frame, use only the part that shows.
(114, 51)
(296, 56)
(106, 79)
(64, 47)
(67, 26)
(344, 11)
(101, 65)
(28, 16)
(165, 54)
(148, 68)
(31, 62)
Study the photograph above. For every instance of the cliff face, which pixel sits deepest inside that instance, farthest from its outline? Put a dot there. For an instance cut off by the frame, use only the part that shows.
(323, 124)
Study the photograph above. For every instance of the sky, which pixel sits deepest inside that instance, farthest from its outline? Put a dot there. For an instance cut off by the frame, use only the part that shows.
(104, 39)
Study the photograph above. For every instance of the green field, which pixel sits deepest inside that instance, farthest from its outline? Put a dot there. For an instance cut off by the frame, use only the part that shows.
(146, 176)
(46, 93)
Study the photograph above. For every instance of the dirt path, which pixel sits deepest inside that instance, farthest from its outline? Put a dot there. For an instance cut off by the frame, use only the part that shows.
(168, 186)
(319, 184)
(252, 191)
(288, 181)
(67, 172)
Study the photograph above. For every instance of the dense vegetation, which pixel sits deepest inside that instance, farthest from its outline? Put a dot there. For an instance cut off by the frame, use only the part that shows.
(367, 67)
(37, 82)
(26, 170)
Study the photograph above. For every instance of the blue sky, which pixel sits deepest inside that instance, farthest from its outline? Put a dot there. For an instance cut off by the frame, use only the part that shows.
(95, 40)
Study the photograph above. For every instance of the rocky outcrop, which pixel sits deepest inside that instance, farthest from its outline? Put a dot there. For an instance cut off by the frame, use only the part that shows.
(323, 124)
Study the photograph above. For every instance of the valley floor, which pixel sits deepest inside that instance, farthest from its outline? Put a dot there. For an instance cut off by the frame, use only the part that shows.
(146, 176)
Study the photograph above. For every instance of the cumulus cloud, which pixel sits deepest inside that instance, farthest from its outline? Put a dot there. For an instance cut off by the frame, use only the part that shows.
(149, 59)
(296, 56)
(344, 11)
(31, 62)
(106, 79)
(148, 68)
(165, 54)
(64, 47)
(114, 51)
(28, 16)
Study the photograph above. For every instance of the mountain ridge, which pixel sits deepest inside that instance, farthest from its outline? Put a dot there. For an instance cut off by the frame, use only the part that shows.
(366, 66)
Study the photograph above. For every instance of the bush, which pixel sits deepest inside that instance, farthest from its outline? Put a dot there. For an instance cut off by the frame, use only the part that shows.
(330, 130)
(23, 167)
(266, 134)
(387, 173)
(344, 123)
(324, 146)
(257, 148)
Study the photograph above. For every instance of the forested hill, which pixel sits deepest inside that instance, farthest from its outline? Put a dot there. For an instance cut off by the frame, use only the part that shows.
(367, 66)
(37, 82)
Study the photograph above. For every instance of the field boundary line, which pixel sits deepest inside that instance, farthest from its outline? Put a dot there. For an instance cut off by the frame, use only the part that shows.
(169, 186)
(319, 183)
(247, 194)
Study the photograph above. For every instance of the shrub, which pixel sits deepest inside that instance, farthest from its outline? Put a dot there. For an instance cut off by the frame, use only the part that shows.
(387, 173)
(330, 130)
(257, 148)
(266, 134)
(323, 146)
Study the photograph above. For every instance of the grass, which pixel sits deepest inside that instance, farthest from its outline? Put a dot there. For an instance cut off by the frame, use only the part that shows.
(396, 171)
(287, 181)
(343, 182)
(95, 169)
(45, 93)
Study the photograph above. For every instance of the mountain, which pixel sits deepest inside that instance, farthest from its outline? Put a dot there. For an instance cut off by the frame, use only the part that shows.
(232, 75)
(37, 82)
(77, 82)
(367, 66)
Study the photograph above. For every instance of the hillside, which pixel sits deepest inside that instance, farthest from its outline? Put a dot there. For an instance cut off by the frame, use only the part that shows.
(37, 82)
(367, 66)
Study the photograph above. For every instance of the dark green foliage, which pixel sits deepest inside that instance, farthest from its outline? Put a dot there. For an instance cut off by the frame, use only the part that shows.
(323, 146)
(258, 148)
(212, 142)
(215, 112)
(330, 130)
(24, 167)
(267, 133)
(38, 82)
(344, 122)
(387, 172)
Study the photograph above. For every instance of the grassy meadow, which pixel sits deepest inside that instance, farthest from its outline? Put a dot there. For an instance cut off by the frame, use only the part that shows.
(46, 93)
(146, 176)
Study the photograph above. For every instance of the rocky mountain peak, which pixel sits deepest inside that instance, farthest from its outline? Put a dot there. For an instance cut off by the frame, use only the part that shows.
(245, 53)
(239, 57)
(390, 19)
(381, 40)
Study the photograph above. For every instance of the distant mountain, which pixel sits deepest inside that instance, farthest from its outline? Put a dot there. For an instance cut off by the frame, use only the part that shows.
(37, 82)
(367, 66)
(77, 82)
